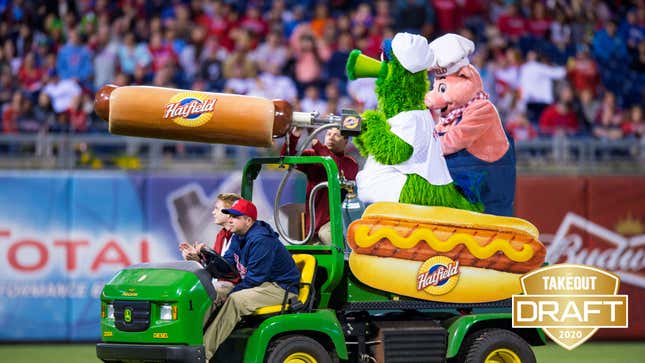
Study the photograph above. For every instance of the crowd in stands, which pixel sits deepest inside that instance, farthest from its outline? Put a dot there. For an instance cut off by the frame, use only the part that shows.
(572, 67)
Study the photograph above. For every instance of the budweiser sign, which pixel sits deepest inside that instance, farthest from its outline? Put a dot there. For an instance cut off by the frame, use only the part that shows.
(624, 256)
(187, 109)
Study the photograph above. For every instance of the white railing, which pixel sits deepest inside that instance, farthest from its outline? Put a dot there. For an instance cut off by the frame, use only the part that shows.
(70, 151)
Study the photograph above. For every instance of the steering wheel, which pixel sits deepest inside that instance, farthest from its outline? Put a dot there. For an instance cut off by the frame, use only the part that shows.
(216, 265)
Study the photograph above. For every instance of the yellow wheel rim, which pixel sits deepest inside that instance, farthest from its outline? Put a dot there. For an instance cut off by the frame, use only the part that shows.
(502, 355)
(301, 357)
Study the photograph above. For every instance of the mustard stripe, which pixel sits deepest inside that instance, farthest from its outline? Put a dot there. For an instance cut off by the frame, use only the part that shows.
(364, 239)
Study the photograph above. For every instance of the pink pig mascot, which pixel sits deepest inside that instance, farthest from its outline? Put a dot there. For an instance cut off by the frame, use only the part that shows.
(479, 154)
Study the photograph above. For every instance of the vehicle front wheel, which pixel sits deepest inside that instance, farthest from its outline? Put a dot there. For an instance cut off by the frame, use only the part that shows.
(297, 349)
(495, 346)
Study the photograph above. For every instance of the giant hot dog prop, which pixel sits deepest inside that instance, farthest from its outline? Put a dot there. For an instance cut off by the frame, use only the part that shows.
(442, 254)
(192, 116)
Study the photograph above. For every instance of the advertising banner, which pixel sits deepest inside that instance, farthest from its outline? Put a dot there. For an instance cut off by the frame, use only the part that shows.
(65, 234)
(596, 221)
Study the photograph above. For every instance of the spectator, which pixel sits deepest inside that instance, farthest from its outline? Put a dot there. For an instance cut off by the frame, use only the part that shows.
(192, 53)
(160, 52)
(9, 53)
(12, 112)
(583, 72)
(33, 47)
(511, 23)
(240, 56)
(589, 107)
(253, 22)
(61, 92)
(30, 75)
(536, 84)
(506, 73)
(631, 31)
(105, 59)
(362, 92)
(520, 128)
(312, 100)
(383, 15)
(211, 68)
(43, 112)
(238, 83)
(296, 20)
(309, 55)
(222, 240)
(414, 15)
(277, 85)
(336, 64)
(75, 60)
(638, 63)
(132, 55)
(78, 114)
(335, 101)
(609, 129)
(320, 20)
(538, 24)
(271, 53)
(609, 50)
(634, 124)
(448, 14)
(608, 113)
(560, 117)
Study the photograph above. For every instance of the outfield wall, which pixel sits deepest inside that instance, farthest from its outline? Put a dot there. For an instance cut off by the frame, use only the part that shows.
(64, 234)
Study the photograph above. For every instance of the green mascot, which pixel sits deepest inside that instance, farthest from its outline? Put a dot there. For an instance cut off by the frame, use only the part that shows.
(404, 158)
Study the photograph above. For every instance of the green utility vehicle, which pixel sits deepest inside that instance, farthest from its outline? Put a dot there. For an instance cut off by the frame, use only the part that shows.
(157, 312)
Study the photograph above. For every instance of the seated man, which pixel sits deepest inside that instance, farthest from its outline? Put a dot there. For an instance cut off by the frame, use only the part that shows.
(265, 266)
(334, 147)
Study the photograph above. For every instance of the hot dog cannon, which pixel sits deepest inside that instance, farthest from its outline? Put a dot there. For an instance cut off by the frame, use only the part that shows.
(167, 113)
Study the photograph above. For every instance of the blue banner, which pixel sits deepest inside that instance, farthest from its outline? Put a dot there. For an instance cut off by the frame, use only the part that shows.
(63, 235)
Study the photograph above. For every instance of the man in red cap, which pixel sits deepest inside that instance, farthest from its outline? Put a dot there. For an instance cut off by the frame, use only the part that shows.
(265, 266)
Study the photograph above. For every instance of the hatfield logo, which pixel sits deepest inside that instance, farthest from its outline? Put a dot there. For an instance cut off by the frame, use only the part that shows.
(438, 275)
(190, 109)
(570, 302)
(625, 257)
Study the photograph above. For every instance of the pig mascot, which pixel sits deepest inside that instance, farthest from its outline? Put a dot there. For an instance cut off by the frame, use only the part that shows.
(478, 152)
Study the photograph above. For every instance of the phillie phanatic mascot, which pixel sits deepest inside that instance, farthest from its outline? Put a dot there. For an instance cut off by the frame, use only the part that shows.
(478, 152)
(404, 158)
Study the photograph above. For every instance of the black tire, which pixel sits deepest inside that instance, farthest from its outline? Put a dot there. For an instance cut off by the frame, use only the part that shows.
(291, 346)
(479, 345)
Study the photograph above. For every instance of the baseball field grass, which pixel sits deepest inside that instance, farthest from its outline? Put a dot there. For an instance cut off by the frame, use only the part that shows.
(594, 352)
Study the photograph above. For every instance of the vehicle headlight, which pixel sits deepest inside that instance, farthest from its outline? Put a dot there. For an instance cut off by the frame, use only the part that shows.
(168, 312)
(110, 311)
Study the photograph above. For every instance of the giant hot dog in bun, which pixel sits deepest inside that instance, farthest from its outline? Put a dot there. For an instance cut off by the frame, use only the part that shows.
(442, 254)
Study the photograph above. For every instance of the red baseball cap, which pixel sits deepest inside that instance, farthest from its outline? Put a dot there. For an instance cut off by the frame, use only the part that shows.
(242, 207)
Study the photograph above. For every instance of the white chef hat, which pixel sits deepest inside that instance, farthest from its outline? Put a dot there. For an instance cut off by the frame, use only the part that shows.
(412, 51)
(451, 53)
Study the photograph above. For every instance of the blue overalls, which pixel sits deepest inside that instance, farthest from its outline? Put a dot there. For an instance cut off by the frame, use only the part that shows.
(497, 184)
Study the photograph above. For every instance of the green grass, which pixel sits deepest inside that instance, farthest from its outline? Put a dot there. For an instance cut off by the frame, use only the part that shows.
(50, 353)
(605, 352)
(594, 352)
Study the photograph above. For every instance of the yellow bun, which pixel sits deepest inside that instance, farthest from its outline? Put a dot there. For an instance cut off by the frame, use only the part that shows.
(475, 285)
(449, 217)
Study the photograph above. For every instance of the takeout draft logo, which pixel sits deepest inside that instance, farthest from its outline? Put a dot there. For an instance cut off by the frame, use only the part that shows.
(570, 302)
(190, 109)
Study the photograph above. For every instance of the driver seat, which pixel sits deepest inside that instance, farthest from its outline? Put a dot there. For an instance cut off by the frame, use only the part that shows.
(307, 265)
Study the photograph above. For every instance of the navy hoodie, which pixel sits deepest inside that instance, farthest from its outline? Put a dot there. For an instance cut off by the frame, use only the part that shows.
(260, 257)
